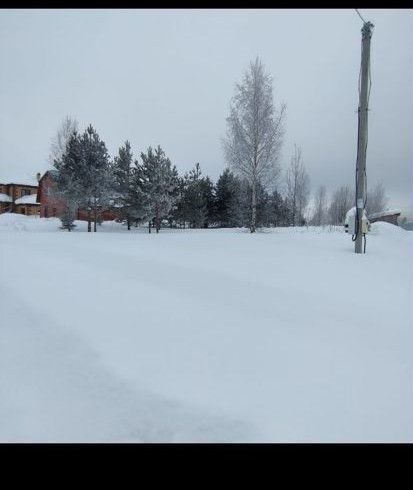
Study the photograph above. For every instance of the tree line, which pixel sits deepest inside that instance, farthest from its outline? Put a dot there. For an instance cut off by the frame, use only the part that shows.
(251, 192)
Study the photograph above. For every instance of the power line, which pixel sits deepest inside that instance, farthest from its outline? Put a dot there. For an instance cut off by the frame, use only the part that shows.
(358, 13)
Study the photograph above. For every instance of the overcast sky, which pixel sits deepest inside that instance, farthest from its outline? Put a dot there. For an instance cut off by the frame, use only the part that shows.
(166, 77)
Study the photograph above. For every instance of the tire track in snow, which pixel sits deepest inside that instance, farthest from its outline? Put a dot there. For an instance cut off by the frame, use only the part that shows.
(53, 388)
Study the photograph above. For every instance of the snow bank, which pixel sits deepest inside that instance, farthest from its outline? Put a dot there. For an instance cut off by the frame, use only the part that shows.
(383, 228)
(21, 222)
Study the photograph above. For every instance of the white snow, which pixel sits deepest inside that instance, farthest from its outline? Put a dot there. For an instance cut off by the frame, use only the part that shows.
(5, 197)
(284, 335)
(30, 199)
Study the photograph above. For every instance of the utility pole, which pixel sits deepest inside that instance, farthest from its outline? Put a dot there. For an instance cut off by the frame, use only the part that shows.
(366, 33)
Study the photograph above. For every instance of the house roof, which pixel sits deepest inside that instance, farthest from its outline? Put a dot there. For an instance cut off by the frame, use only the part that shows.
(30, 199)
(5, 198)
(22, 185)
(388, 212)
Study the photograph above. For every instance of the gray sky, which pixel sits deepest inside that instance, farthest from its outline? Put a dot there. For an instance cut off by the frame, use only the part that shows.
(166, 77)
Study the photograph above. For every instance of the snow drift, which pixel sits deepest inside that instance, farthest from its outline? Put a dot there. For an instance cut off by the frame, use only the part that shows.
(204, 335)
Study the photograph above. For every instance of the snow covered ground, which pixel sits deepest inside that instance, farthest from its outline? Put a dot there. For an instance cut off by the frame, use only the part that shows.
(285, 335)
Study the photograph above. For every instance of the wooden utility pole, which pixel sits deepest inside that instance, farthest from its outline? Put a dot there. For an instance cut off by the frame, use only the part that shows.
(366, 33)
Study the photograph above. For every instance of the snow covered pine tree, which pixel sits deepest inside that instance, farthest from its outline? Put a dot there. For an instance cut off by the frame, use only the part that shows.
(159, 185)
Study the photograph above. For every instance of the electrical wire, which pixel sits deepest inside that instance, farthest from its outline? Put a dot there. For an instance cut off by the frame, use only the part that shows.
(358, 13)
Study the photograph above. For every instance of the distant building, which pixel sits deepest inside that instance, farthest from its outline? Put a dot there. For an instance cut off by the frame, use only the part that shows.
(390, 216)
(19, 198)
(52, 206)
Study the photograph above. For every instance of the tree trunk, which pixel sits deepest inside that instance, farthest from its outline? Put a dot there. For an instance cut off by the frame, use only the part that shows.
(149, 226)
(94, 219)
(89, 224)
(157, 220)
(128, 222)
(254, 207)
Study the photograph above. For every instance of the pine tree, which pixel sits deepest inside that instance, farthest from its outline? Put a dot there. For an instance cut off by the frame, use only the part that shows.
(122, 172)
(68, 218)
(207, 189)
(84, 177)
(95, 174)
(177, 214)
(67, 176)
(195, 206)
(137, 201)
(279, 210)
(227, 197)
(159, 185)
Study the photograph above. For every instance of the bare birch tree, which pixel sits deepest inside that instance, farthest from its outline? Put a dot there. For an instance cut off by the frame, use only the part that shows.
(297, 186)
(376, 199)
(67, 127)
(320, 207)
(341, 201)
(255, 130)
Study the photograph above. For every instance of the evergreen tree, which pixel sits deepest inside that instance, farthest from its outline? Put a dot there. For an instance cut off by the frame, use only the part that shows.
(159, 185)
(122, 172)
(137, 202)
(69, 186)
(195, 205)
(207, 190)
(68, 218)
(83, 175)
(279, 209)
(272, 209)
(177, 214)
(95, 174)
(227, 196)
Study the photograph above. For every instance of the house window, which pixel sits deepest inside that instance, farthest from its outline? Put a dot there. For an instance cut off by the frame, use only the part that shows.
(23, 211)
(25, 192)
(46, 212)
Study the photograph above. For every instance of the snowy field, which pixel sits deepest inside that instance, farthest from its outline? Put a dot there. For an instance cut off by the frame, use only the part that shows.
(204, 335)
